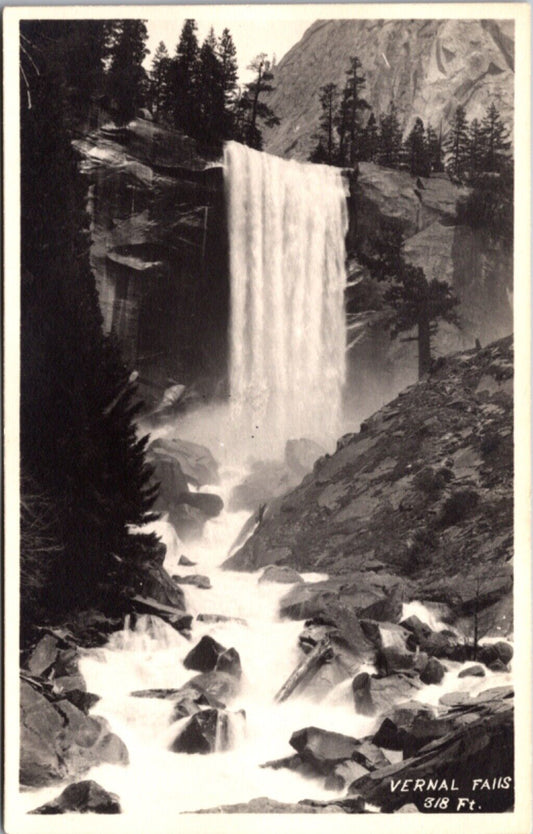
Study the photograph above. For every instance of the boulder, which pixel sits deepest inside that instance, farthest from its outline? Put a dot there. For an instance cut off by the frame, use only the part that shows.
(475, 671)
(301, 454)
(492, 652)
(387, 609)
(229, 662)
(172, 484)
(186, 562)
(417, 628)
(189, 521)
(59, 741)
(85, 797)
(216, 684)
(158, 585)
(374, 695)
(189, 701)
(220, 618)
(81, 699)
(196, 462)
(480, 749)
(195, 579)
(205, 732)
(433, 672)
(203, 657)
(398, 723)
(147, 606)
(343, 774)
(208, 503)
(321, 748)
(281, 574)
(391, 660)
(385, 635)
(43, 656)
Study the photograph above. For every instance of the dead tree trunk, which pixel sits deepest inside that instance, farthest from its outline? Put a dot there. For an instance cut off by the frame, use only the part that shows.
(321, 653)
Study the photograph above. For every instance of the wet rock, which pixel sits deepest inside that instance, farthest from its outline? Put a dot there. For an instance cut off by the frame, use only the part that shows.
(385, 635)
(481, 749)
(391, 660)
(203, 657)
(172, 483)
(498, 666)
(44, 655)
(301, 454)
(281, 574)
(455, 699)
(164, 694)
(324, 605)
(220, 618)
(417, 628)
(433, 672)
(321, 748)
(398, 723)
(189, 701)
(490, 653)
(196, 461)
(91, 627)
(85, 797)
(196, 579)
(444, 644)
(475, 671)
(387, 609)
(81, 699)
(216, 684)
(230, 663)
(168, 613)
(189, 521)
(186, 562)
(209, 504)
(344, 774)
(206, 732)
(60, 741)
(157, 584)
(374, 695)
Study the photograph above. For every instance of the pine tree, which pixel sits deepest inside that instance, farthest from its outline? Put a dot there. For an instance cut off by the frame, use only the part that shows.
(456, 147)
(475, 150)
(250, 110)
(84, 479)
(350, 119)
(434, 149)
(227, 55)
(126, 78)
(185, 79)
(160, 78)
(416, 303)
(390, 138)
(326, 150)
(416, 151)
(370, 140)
(210, 92)
(495, 141)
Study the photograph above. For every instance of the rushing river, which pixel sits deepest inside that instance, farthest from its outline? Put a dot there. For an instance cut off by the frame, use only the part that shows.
(150, 656)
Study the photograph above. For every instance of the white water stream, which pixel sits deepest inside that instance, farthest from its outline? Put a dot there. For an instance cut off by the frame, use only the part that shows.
(152, 658)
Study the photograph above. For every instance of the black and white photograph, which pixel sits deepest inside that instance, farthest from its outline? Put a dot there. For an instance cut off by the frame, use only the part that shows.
(267, 449)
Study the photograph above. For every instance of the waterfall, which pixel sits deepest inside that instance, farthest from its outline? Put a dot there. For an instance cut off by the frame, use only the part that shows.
(287, 223)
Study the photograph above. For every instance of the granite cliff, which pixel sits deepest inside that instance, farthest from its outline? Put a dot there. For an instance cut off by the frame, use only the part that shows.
(427, 67)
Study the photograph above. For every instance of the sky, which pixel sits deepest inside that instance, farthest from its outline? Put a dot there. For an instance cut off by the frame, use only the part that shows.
(251, 36)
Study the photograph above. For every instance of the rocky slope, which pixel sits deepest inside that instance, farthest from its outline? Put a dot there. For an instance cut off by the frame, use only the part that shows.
(419, 499)
(427, 67)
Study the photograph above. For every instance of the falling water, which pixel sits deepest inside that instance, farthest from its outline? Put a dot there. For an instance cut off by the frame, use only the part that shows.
(287, 224)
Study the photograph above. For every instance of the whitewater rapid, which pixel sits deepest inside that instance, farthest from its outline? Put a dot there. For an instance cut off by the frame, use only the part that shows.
(151, 656)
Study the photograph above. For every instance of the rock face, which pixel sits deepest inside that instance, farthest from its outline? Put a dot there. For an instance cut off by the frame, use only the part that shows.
(427, 67)
(157, 209)
(60, 741)
(422, 495)
(82, 798)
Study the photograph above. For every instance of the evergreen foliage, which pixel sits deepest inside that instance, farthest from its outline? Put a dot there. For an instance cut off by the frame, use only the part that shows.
(456, 146)
(185, 79)
(126, 80)
(160, 82)
(417, 151)
(390, 138)
(416, 303)
(326, 149)
(83, 475)
(350, 118)
(494, 142)
(250, 110)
